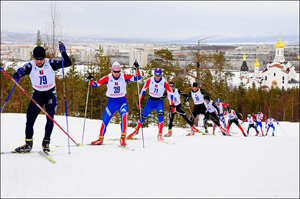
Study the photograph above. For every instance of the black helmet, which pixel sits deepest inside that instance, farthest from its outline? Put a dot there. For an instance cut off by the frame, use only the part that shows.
(195, 84)
(172, 84)
(39, 53)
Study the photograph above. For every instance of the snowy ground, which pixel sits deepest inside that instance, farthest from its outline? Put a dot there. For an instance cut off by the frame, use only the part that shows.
(198, 166)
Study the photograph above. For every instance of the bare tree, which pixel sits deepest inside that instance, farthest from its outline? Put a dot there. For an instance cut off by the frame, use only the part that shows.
(53, 31)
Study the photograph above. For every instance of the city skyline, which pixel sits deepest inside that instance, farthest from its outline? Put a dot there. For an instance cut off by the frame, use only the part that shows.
(158, 21)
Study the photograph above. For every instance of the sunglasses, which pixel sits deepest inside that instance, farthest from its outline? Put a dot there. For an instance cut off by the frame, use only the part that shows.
(39, 58)
(116, 71)
(157, 74)
(171, 85)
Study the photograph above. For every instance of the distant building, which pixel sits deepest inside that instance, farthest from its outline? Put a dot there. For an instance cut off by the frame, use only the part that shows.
(277, 73)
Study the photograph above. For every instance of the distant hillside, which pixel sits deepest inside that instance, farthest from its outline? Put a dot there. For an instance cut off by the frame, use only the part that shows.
(15, 37)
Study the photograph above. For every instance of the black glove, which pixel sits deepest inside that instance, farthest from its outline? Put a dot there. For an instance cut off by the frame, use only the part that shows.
(90, 77)
(136, 64)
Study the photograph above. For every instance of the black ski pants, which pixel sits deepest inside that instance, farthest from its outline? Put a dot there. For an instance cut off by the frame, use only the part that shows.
(48, 99)
(180, 111)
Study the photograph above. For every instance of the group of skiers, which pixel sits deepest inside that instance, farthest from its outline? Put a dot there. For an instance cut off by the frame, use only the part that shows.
(41, 71)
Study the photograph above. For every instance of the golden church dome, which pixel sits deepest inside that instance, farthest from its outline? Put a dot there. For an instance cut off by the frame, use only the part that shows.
(279, 44)
(244, 56)
(256, 63)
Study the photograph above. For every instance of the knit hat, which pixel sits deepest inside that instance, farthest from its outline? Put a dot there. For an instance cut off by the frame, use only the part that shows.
(206, 97)
(172, 84)
(116, 66)
(218, 100)
(39, 53)
(195, 84)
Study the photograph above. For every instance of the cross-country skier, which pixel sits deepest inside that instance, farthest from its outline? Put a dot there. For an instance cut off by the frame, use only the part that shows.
(157, 86)
(199, 108)
(116, 93)
(41, 71)
(269, 124)
(220, 106)
(233, 118)
(251, 121)
(213, 113)
(178, 108)
(259, 118)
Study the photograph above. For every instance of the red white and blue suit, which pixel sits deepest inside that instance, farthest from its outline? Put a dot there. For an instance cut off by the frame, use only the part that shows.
(116, 93)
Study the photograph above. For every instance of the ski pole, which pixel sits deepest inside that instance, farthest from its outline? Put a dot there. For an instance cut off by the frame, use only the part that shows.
(87, 98)
(282, 129)
(65, 98)
(137, 81)
(9, 94)
(192, 115)
(37, 104)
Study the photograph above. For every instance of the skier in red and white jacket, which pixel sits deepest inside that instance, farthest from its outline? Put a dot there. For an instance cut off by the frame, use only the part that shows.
(251, 121)
(233, 118)
(157, 86)
(116, 92)
(259, 118)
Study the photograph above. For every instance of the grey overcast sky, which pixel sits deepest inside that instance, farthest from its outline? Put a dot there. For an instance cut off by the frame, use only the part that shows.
(156, 19)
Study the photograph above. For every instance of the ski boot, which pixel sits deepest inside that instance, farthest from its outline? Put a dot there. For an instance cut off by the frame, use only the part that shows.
(99, 141)
(193, 128)
(159, 137)
(244, 134)
(122, 140)
(26, 148)
(191, 133)
(168, 134)
(45, 144)
(273, 134)
(135, 132)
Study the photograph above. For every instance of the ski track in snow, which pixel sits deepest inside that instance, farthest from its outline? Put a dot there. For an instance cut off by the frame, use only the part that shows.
(196, 166)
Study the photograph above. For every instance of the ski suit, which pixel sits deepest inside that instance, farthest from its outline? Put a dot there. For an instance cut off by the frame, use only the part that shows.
(44, 93)
(221, 115)
(155, 100)
(199, 107)
(233, 118)
(116, 93)
(251, 124)
(178, 106)
(212, 113)
(259, 118)
(270, 124)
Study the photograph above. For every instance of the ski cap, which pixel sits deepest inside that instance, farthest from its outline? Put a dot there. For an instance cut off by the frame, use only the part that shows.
(270, 117)
(158, 72)
(116, 66)
(218, 100)
(249, 115)
(172, 84)
(206, 97)
(195, 84)
(39, 53)
(258, 113)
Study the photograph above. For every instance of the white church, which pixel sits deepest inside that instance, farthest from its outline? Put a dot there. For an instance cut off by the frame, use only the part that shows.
(277, 73)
